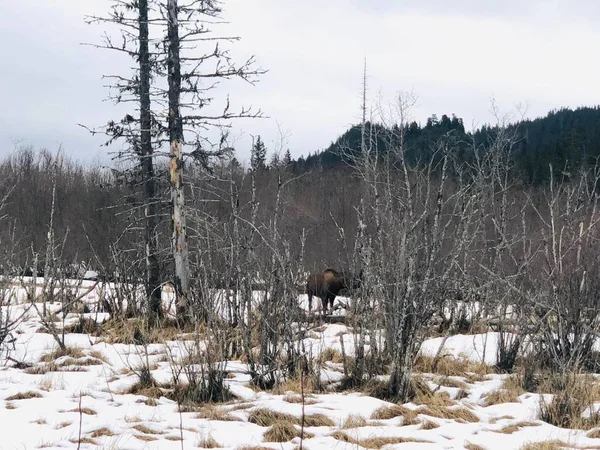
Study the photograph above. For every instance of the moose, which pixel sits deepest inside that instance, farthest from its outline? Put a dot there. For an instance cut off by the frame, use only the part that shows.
(327, 285)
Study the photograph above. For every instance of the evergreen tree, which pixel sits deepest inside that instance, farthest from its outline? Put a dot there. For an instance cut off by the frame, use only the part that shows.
(287, 158)
(258, 158)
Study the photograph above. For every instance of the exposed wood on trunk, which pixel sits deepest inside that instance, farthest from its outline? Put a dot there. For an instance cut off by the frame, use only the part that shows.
(179, 243)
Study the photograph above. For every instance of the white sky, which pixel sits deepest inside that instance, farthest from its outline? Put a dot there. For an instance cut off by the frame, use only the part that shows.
(455, 56)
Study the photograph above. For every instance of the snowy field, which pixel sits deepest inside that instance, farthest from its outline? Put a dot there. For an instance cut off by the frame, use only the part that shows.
(81, 400)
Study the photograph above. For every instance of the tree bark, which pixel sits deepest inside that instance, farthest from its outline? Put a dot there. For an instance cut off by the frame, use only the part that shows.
(180, 247)
(153, 285)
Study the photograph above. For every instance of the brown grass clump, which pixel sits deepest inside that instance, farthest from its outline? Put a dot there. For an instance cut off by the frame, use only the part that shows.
(133, 331)
(458, 414)
(496, 419)
(343, 437)
(146, 430)
(145, 438)
(331, 354)
(546, 445)
(378, 442)
(207, 442)
(62, 425)
(594, 434)
(266, 417)
(450, 366)
(566, 408)
(212, 412)
(316, 420)
(437, 399)
(73, 352)
(451, 382)
(283, 432)
(354, 421)
(102, 432)
(10, 405)
(24, 396)
(253, 447)
(471, 446)
(87, 411)
(391, 412)
(499, 397)
(429, 425)
(297, 398)
(83, 440)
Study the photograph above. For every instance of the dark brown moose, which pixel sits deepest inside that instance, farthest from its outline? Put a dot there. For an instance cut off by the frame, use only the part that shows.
(327, 285)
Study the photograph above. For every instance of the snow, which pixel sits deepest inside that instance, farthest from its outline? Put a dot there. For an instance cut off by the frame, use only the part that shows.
(52, 418)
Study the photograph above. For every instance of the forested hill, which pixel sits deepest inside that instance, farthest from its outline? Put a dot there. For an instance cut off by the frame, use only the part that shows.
(565, 138)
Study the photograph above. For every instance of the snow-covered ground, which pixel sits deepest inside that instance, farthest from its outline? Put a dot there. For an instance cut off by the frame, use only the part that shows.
(80, 400)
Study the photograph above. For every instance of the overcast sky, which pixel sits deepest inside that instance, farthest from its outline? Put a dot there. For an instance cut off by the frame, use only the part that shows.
(455, 56)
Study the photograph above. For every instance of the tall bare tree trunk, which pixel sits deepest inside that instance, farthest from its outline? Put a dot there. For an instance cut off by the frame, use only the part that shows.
(180, 247)
(153, 285)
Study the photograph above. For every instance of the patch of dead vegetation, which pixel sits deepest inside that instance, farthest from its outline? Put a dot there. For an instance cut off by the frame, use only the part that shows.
(434, 400)
(24, 396)
(450, 366)
(145, 438)
(10, 405)
(61, 425)
(102, 432)
(266, 418)
(83, 440)
(391, 412)
(40, 421)
(354, 421)
(497, 419)
(137, 331)
(500, 396)
(297, 398)
(331, 355)
(547, 445)
(375, 442)
(86, 411)
(212, 412)
(207, 442)
(429, 425)
(146, 429)
(451, 382)
(284, 432)
(460, 414)
(471, 446)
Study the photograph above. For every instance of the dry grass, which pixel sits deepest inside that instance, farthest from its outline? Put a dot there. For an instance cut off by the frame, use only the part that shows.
(40, 421)
(374, 442)
(297, 398)
(546, 445)
(87, 411)
(331, 354)
(354, 421)
(499, 397)
(212, 412)
(253, 447)
(10, 405)
(496, 419)
(514, 427)
(73, 352)
(146, 430)
(83, 440)
(131, 331)
(429, 425)
(459, 414)
(102, 432)
(62, 425)
(24, 396)
(316, 420)
(265, 417)
(145, 438)
(437, 399)
(173, 438)
(391, 412)
(594, 434)
(450, 366)
(471, 446)
(295, 385)
(208, 442)
(565, 410)
(283, 432)
(451, 382)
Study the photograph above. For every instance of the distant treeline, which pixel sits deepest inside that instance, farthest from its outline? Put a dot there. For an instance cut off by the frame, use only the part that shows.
(98, 211)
